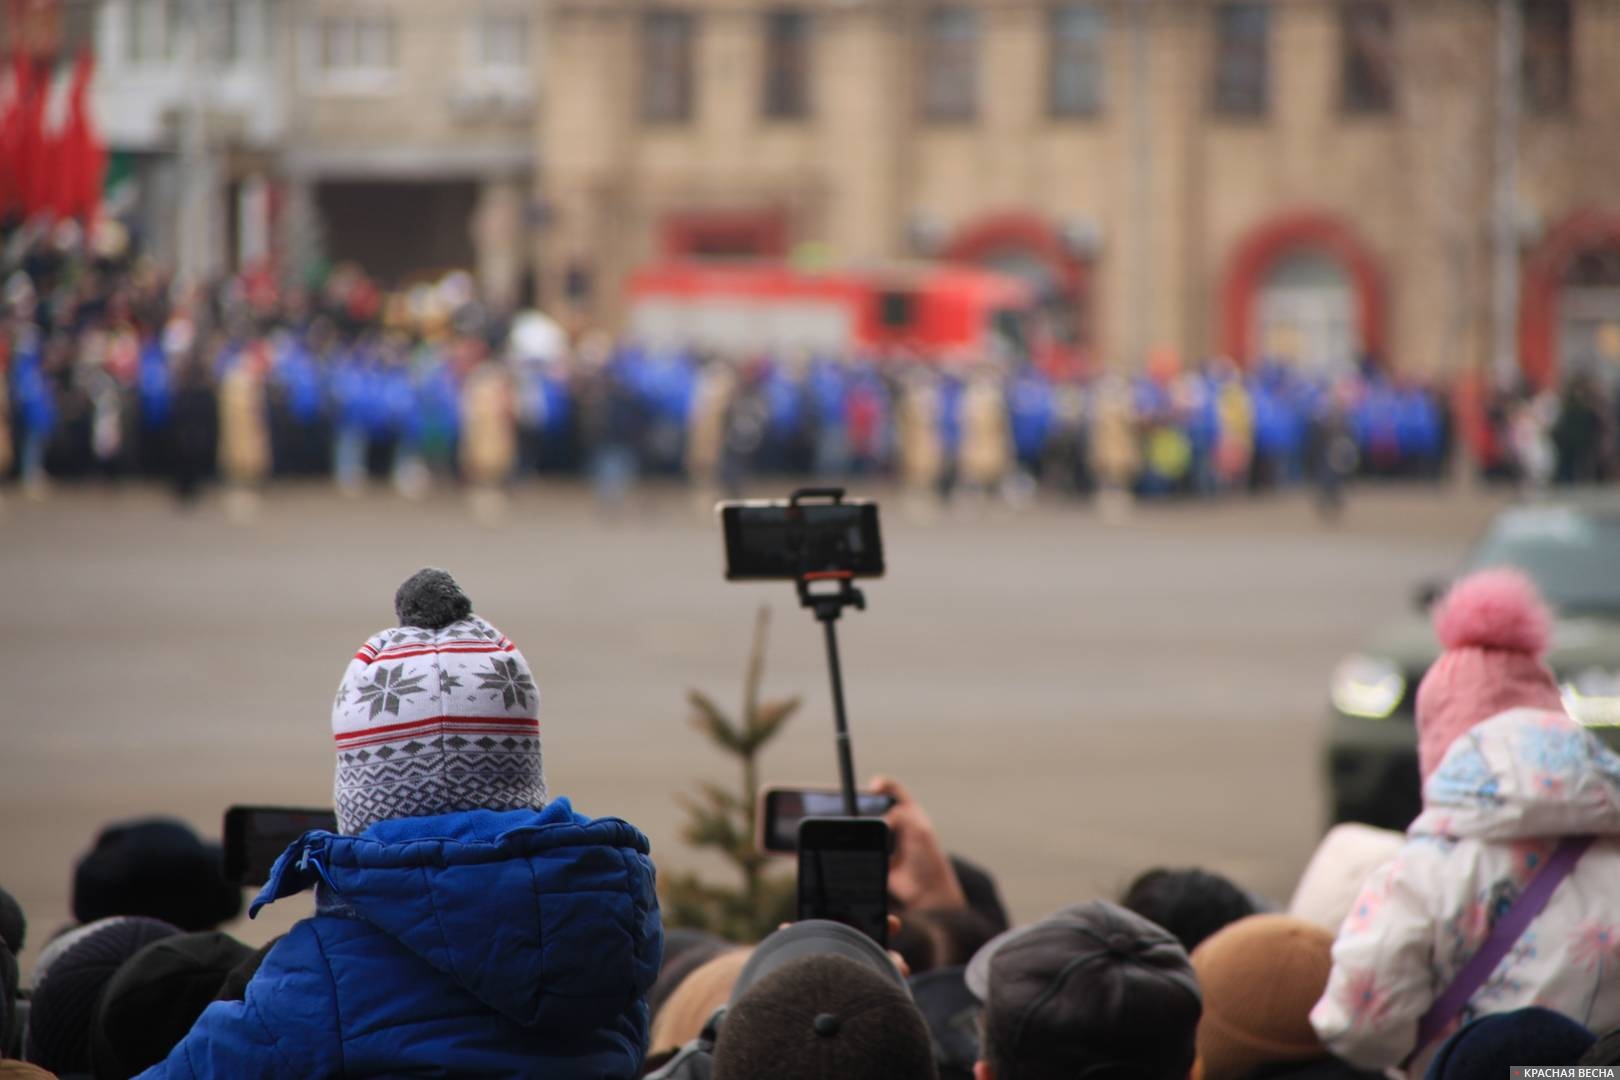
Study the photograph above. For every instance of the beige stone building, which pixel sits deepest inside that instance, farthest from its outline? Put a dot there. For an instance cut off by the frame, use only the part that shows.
(409, 143)
(1310, 178)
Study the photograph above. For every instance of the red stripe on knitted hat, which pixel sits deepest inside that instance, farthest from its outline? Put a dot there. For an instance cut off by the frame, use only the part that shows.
(441, 729)
(397, 730)
(426, 650)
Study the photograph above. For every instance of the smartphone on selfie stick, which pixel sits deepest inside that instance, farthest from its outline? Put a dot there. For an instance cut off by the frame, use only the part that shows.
(822, 543)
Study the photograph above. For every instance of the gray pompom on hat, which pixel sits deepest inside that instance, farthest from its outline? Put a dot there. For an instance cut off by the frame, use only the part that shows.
(430, 599)
(438, 714)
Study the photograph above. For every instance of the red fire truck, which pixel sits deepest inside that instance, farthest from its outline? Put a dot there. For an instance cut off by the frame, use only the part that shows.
(941, 311)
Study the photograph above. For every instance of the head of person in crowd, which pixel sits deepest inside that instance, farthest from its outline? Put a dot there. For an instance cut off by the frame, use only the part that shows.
(1191, 904)
(158, 868)
(819, 1001)
(13, 932)
(1093, 990)
(1492, 1045)
(685, 950)
(1338, 869)
(1260, 976)
(69, 976)
(952, 1013)
(704, 989)
(154, 998)
(1494, 628)
(463, 921)
(936, 938)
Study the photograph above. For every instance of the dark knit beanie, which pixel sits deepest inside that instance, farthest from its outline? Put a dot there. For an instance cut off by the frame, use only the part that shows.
(157, 868)
(68, 981)
(13, 924)
(1491, 1045)
(824, 1016)
(234, 987)
(155, 997)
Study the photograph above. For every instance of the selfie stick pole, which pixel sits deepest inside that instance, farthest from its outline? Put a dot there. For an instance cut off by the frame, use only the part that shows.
(827, 607)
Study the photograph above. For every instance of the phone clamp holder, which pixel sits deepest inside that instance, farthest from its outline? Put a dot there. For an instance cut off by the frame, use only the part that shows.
(828, 606)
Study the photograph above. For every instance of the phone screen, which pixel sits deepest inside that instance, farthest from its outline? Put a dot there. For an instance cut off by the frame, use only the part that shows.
(255, 837)
(844, 873)
(776, 541)
(786, 807)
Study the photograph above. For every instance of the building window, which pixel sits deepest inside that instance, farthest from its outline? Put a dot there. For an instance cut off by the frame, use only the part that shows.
(501, 43)
(154, 31)
(1367, 53)
(787, 64)
(1242, 58)
(1548, 36)
(1074, 76)
(668, 40)
(355, 45)
(950, 80)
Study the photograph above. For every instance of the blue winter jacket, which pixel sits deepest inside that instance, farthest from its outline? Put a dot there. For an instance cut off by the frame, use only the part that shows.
(475, 943)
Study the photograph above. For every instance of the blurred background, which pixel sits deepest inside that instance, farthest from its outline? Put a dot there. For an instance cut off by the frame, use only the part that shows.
(1179, 338)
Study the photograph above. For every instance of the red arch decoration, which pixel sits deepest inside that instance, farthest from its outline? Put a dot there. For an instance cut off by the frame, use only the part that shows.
(1247, 268)
(1029, 234)
(1025, 233)
(1544, 281)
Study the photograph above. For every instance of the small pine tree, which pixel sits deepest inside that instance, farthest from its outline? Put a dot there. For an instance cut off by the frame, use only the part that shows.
(723, 820)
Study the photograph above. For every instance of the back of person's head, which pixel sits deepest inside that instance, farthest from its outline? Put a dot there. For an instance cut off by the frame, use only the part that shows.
(154, 998)
(156, 868)
(24, 1070)
(689, 1007)
(69, 977)
(685, 950)
(1093, 989)
(1191, 904)
(1260, 977)
(824, 1018)
(13, 930)
(936, 938)
(437, 714)
(1492, 1045)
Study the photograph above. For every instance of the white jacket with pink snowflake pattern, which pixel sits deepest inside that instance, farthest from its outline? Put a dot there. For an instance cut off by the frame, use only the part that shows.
(1494, 810)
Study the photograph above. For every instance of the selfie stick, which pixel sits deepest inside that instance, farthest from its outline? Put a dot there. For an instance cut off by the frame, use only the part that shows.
(827, 607)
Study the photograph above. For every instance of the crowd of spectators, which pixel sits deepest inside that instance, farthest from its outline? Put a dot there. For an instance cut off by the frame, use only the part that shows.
(111, 371)
(468, 922)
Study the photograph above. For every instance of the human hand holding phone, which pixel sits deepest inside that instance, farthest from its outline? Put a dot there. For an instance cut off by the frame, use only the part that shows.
(920, 873)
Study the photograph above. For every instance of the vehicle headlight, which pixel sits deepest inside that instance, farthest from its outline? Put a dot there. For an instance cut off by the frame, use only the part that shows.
(1367, 686)
(1593, 697)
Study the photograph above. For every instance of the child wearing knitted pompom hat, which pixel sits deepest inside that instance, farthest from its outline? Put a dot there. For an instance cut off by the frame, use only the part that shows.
(467, 922)
(1495, 630)
(1512, 785)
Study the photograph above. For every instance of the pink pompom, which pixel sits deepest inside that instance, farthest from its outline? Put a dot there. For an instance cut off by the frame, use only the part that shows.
(1494, 609)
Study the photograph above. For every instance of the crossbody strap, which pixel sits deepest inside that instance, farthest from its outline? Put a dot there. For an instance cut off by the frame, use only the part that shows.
(1507, 931)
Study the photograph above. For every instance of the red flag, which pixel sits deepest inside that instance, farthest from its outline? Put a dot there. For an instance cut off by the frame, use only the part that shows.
(80, 159)
(32, 167)
(11, 139)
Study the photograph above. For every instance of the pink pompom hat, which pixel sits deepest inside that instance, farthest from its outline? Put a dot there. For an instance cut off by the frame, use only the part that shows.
(1495, 629)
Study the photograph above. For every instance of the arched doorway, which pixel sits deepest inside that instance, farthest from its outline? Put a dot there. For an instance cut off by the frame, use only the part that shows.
(1306, 288)
(1304, 314)
(1570, 313)
(1026, 247)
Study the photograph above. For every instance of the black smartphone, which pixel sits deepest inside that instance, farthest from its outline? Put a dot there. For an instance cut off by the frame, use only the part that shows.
(844, 873)
(777, 541)
(782, 808)
(255, 837)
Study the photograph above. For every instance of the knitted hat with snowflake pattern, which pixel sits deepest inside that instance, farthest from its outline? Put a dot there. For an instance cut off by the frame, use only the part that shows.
(437, 714)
